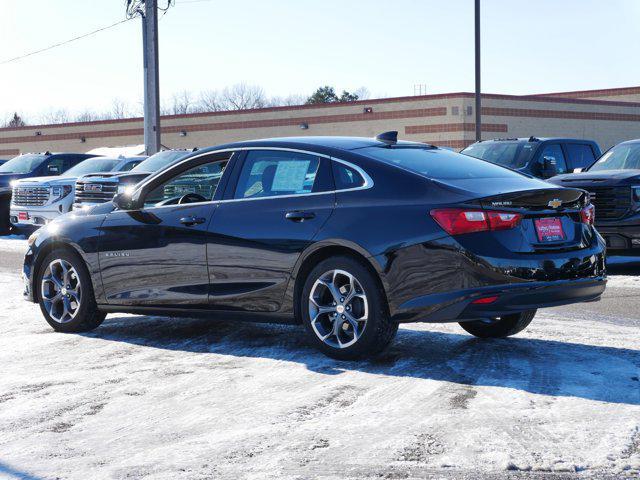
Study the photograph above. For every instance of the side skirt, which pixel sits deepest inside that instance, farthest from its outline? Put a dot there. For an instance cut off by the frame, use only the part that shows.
(203, 312)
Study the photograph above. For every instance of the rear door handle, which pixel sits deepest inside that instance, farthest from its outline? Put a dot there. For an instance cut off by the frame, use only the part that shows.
(299, 216)
(191, 221)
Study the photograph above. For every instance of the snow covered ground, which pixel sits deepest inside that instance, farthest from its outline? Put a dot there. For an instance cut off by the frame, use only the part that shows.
(13, 243)
(143, 397)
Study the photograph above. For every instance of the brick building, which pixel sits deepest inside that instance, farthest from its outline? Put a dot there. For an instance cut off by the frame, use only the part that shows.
(608, 116)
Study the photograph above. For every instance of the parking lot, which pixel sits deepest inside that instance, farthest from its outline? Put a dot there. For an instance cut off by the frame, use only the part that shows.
(182, 398)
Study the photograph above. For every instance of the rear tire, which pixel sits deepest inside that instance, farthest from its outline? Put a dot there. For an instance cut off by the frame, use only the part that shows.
(344, 310)
(65, 293)
(501, 327)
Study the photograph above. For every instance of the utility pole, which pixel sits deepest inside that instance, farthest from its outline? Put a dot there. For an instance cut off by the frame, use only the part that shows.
(478, 99)
(151, 77)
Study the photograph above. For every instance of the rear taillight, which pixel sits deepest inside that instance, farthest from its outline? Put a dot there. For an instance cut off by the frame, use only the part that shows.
(588, 214)
(457, 221)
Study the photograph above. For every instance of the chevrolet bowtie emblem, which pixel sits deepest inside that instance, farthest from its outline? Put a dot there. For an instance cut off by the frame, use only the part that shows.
(555, 203)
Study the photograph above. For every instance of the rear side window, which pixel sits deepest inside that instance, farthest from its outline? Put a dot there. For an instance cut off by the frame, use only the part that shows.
(346, 177)
(439, 163)
(272, 173)
(580, 155)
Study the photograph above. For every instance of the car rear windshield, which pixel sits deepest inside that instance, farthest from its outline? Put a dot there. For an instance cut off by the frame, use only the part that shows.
(23, 164)
(621, 157)
(508, 154)
(438, 163)
(92, 165)
(159, 160)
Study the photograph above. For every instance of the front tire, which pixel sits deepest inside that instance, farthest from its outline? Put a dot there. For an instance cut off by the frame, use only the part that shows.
(499, 327)
(65, 293)
(344, 310)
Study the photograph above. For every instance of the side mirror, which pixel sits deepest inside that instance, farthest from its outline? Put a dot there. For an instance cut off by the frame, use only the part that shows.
(124, 201)
(549, 168)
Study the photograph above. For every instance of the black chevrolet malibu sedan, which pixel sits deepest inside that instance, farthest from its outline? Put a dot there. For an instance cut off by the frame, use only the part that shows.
(348, 236)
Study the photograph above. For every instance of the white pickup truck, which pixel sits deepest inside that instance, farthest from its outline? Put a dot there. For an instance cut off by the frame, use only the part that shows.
(37, 201)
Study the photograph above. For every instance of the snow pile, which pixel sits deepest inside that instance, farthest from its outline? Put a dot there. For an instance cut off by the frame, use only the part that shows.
(179, 398)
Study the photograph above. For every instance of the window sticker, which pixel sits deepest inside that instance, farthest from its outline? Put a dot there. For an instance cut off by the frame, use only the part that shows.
(290, 176)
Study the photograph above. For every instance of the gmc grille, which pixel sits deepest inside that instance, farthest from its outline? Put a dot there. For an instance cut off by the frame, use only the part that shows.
(30, 196)
(101, 193)
(611, 202)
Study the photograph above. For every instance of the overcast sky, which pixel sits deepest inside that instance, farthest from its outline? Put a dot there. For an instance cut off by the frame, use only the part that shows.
(294, 46)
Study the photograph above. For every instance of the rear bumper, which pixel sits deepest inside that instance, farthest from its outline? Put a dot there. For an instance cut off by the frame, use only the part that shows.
(512, 298)
(438, 281)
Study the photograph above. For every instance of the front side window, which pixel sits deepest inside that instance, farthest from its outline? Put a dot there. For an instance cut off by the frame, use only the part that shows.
(273, 173)
(625, 156)
(554, 153)
(198, 184)
(56, 166)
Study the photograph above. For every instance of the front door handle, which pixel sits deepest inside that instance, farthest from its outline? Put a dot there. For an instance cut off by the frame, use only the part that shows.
(191, 221)
(299, 216)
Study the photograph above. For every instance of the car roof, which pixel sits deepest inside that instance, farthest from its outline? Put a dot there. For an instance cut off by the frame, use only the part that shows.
(537, 140)
(336, 142)
(629, 142)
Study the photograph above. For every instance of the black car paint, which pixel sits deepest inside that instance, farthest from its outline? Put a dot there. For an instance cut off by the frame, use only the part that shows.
(251, 258)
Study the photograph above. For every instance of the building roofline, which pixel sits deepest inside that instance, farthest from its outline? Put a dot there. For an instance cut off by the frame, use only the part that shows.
(608, 92)
(548, 98)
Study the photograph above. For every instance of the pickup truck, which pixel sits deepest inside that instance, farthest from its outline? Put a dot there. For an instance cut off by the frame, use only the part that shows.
(613, 183)
(540, 157)
(97, 188)
(31, 165)
(37, 201)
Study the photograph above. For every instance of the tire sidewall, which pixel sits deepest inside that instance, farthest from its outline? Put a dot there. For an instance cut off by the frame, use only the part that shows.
(377, 308)
(87, 301)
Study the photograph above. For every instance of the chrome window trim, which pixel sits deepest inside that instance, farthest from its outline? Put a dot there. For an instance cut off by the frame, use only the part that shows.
(368, 181)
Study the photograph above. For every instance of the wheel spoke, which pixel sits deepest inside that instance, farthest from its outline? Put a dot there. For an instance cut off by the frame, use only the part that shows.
(332, 289)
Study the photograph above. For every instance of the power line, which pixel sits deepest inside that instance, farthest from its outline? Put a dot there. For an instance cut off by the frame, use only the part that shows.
(15, 59)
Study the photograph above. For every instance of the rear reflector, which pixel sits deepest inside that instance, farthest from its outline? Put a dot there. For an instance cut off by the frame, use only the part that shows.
(457, 221)
(588, 214)
(485, 300)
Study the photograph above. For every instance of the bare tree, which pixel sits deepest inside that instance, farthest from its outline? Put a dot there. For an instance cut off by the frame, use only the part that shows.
(54, 116)
(210, 101)
(182, 103)
(87, 116)
(363, 93)
(242, 97)
(119, 109)
(288, 101)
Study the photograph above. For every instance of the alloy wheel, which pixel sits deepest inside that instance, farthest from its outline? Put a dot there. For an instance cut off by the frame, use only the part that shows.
(61, 291)
(338, 308)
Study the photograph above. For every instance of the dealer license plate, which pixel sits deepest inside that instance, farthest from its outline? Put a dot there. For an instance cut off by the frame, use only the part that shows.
(549, 229)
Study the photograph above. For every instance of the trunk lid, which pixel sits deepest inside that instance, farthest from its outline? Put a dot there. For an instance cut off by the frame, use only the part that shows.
(551, 220)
